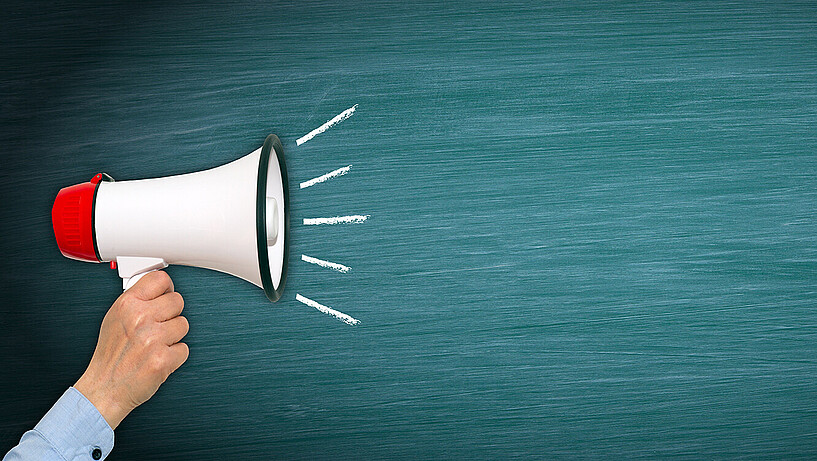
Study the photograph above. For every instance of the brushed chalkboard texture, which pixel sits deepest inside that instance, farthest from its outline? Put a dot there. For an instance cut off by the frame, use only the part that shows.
(592, 225)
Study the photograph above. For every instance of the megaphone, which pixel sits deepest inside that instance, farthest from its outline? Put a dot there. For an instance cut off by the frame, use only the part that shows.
(233, 219)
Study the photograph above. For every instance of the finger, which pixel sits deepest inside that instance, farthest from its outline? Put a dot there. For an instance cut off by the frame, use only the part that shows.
(152, 285)
(168, 306)
(174, 330)
(178, 355)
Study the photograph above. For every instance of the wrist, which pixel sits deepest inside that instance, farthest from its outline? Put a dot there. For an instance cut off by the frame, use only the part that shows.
(106, 404)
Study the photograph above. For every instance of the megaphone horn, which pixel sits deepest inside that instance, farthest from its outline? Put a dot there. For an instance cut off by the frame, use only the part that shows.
(232, 219)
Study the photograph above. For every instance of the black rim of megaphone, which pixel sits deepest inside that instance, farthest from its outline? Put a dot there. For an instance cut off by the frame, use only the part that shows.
(271, 143)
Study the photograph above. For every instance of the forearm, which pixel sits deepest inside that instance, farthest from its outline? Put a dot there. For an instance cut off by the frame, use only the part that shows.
(72, 429)
(138, 347)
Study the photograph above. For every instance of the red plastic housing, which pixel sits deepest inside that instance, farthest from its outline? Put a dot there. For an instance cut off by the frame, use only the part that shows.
(73, 219)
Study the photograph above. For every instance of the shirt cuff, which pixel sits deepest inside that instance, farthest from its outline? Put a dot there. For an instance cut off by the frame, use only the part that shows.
(76, 429)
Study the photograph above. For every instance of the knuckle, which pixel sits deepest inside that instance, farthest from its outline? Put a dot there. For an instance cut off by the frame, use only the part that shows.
(154, 280)
(134, 321)
(128, 301)
(158, 276)
(174, 300)
(161, 278)
(157, 363)
(122, 300)
(147, 340)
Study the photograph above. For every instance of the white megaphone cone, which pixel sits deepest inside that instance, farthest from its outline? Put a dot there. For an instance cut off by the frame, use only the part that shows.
(233, 219)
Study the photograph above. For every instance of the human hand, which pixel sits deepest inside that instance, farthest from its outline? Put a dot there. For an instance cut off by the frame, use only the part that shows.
(138, 348)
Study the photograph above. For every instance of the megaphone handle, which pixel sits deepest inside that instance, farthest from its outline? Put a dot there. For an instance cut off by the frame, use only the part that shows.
(133, 268)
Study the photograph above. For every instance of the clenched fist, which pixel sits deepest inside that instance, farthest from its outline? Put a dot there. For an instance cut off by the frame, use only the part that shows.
(138, 348)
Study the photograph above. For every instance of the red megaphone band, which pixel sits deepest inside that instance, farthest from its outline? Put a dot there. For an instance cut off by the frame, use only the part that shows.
(73, 219)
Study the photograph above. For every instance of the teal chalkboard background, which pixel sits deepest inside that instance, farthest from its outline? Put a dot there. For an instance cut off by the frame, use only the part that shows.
(593, 228)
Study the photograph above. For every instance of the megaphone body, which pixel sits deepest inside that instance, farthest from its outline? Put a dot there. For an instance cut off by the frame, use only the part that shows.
(232, 219)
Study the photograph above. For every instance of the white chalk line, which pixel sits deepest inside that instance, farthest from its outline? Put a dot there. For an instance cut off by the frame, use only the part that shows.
(336, 220)
(322, 178)
(336, 119)
(338, 267)
(327, 310)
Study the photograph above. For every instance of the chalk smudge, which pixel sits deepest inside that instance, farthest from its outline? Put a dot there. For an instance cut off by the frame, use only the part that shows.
(336, 119)
(327, 310)
(322, 178)
(338, 267)
(336, 220)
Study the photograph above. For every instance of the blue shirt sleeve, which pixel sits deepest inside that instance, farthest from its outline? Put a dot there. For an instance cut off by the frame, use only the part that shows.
(72, 430)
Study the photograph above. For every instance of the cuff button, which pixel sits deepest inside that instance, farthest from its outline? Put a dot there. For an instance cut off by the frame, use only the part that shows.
(96, 454)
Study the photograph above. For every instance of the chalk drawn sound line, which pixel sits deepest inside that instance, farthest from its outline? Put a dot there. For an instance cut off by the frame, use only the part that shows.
(353, 219)
(329, 265)
(333, 121)
(327, 310)
(322, 178)
(333, 220)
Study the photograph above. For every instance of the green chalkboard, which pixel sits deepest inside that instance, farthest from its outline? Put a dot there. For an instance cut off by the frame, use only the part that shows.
(591, 233)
